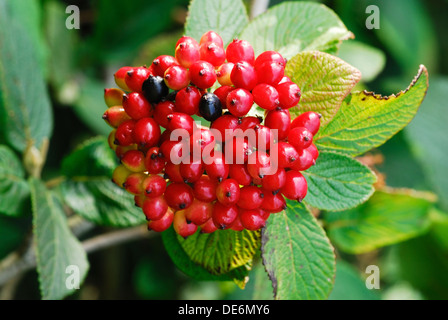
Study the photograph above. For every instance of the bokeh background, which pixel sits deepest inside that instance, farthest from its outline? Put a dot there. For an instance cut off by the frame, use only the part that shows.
(79, 64)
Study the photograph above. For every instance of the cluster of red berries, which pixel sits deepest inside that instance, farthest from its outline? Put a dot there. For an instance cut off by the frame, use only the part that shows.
(232, 175)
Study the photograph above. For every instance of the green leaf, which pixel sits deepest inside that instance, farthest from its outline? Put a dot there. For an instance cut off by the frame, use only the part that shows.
(14, 189)
(387, 218)
(325, 81)
(369, 60)
(194, 270)
(90, 193)
(297, 255)
(222, 251)
(349, 285)
(56, 247)
(428, 138)
(366, 120)
(226, 17)
(292, 27)
(25, 110)
(338, 182)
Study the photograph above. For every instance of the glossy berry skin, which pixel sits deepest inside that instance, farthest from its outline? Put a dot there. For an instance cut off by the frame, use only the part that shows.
(202, 74)
(274, 181)
(136, 106)
(124, 135)
(226, 122)
(243, 75)
(199, 212)
(119, 77)
(250, 122)
(251, 197)
(202, 143)
(258, 164)
(172, 172)
(187, 100)
(252, 220)
(216, 167)
(280, 120)
(179, 196)
(269, 56)
(239, 102)
(146, 132)
(114, 116)
(314, 151)
(213, 53)
(183, 121)
(113, 97)
(154, 89)
(185, 39)
(222, 93)
(191, 172)
(223, 74)
(237, 225)
(240, 50)
(162, 63)
(300, 137)
(305, 161)
(161, 112)
(264, 138)
(205, 189)
(120, 174)
(154, 162)
(162, 224)
(240, 174)
(295, 187)
(134, 78)
(139, 199)
(238, 150)
(155, 208)
(120, 151)
(266, 96)
(270, 73)
(210, 107)
(287, 155)
(309, 120)
(223, 216)
(208, 227)
(289, 94)
(133, 183)
(174, 151)
(273, 202)
(228, 192)
(182, 227)
(211, 37)
(177, 77)
(134, 160)
(154, 186)
(187, 53)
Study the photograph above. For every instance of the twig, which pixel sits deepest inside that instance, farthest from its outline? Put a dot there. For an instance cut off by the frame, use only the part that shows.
(258, 7)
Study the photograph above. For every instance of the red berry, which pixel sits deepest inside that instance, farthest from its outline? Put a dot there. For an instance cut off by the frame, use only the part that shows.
(300, 137)
(177, 77)
(259, 164)
(222, 93)
(208, 227)
(237, 225)
(205, 189)
(192, 171)
(187, 52)
(273, 202)
(243, 75)
(305, 161)
(250, 122)
(213, 53)
(264, 138)
(181, 226)
(216, 167)
(239, 173)
(269, 56)
(239, 102)
(240, 50)
(155, 208)
(185, 39)
(274, 181)
(113, 97)
(251, 197)
(252, 220)
(136, 106)
(280, 120)
(266, 96)
(202, 74)
(146, 132)
(161, 112)
(124, 135)
(223, 216)
(314, 151)
(162, 224)
(289, 94)
(309, 120)
(134, 78)
(181, 121)
(133, 183)
(114, 116)
(199, 212)
(295, 187)
(154, 186)
(238, 150)
(226, 122)
(270, 72)
(139, 199)
(172, 172)
(228, 192)
(119, 77)
(202, 142)
(121, 150)
(154, 161)
(223, 74)
(179, 196)
(134, 160)
(285, 79)
(287, 155)
(162, 63)
(187, 100)
(211, 37)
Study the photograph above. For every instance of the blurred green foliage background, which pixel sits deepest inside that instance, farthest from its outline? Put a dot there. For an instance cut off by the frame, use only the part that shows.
(79, 64)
